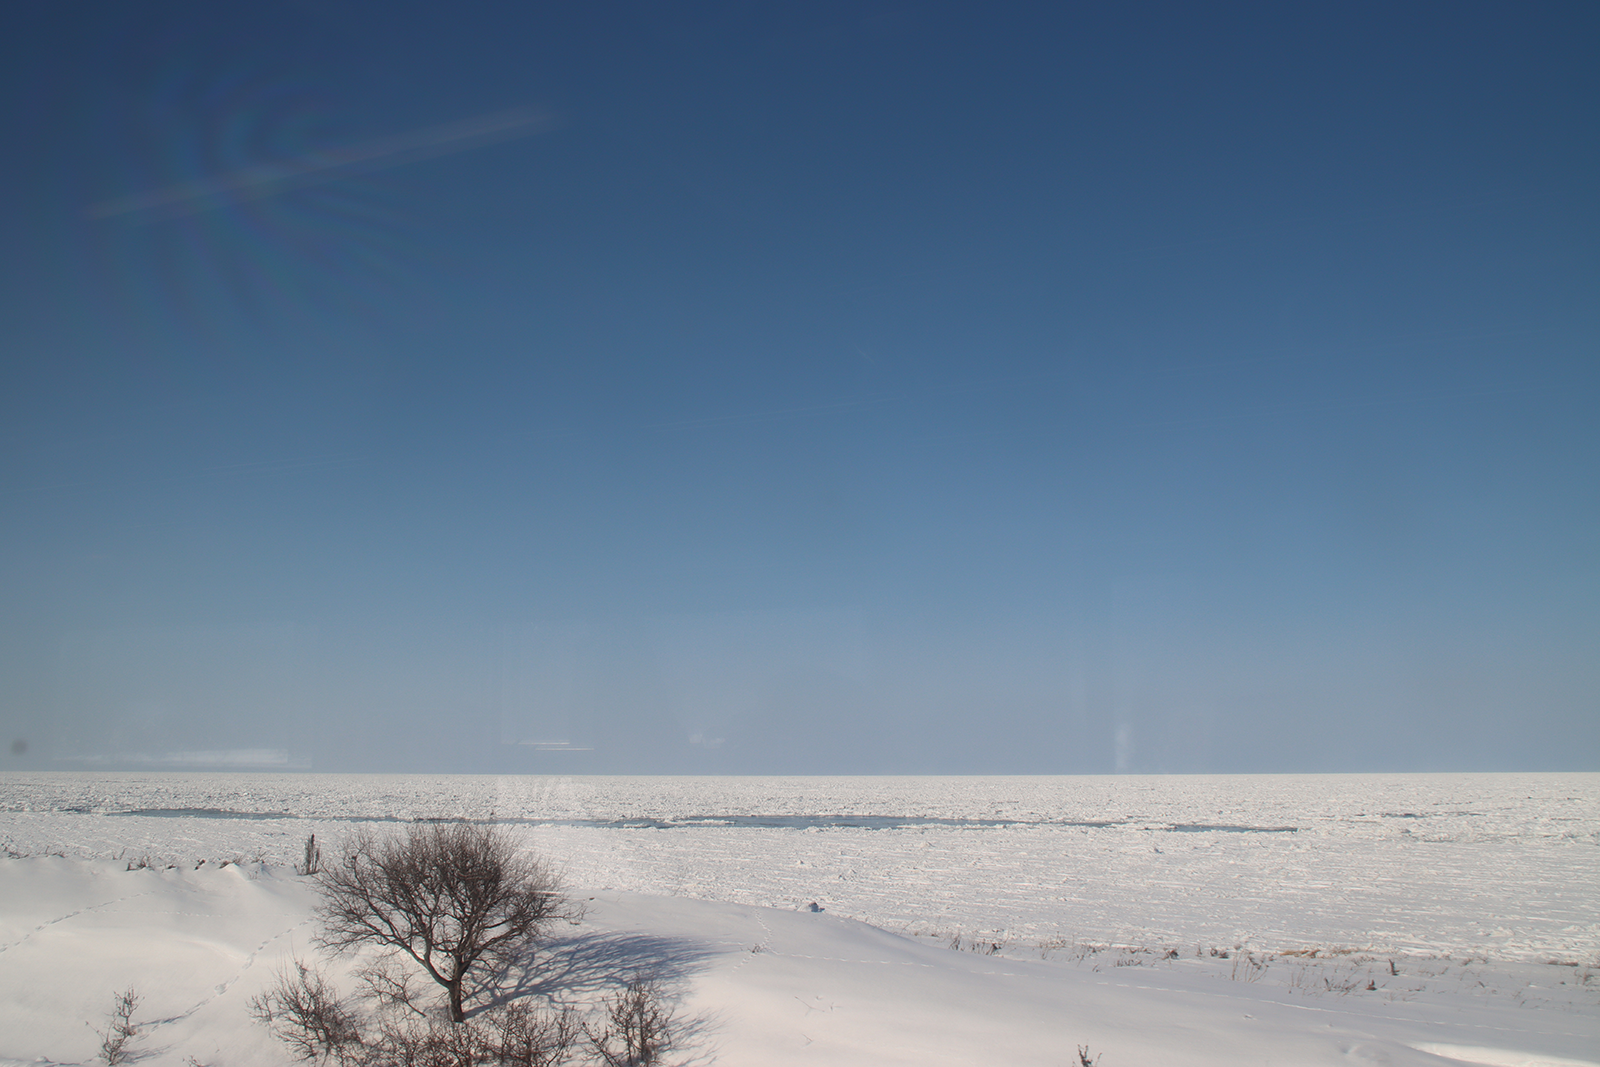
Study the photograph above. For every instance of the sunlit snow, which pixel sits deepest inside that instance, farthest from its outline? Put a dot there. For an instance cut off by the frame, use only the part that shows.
(1208, 920)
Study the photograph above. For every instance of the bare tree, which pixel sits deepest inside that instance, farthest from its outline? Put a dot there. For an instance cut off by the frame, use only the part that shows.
(451, 896)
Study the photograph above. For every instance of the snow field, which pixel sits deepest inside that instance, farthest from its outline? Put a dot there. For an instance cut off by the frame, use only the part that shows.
(1406, 920)
(1503, 866)
(752, 986)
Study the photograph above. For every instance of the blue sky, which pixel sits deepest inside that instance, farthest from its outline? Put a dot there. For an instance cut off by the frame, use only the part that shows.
(816, 388)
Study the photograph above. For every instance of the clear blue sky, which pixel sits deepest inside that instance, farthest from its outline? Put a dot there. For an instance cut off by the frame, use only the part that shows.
(809, 387)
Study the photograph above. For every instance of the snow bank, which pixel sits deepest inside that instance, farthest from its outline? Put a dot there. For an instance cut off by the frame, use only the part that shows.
(758, 985)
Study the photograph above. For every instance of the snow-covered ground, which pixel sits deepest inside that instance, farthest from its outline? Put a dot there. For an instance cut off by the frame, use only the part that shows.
(1200, 920)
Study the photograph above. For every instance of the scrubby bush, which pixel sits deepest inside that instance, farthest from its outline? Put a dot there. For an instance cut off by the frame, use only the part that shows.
(119, 1028)
(510, 1036)
(308, 1015)
(637, 1029)
(311, 864)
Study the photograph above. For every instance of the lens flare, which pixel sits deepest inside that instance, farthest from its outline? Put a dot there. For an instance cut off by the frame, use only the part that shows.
(250, 234)
(313, 168)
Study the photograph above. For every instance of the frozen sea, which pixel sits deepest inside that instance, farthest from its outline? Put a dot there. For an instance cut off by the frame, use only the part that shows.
(1501, 866)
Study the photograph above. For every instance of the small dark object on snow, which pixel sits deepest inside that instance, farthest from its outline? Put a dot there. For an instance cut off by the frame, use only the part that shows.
(813, 906)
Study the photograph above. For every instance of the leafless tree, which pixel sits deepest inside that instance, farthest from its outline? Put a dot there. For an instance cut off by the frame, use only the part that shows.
(451, 896)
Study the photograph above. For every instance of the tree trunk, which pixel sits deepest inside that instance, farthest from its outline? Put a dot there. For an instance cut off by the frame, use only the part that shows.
(456, 1013)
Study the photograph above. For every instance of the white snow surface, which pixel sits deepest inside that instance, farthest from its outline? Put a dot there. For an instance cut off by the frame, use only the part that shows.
(1211, 920)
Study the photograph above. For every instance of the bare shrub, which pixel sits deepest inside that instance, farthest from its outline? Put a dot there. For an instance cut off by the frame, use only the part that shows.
(388, 982)
(511, 1036)
(1084, 1059)
(527, 1038)
(450, 896)
(1249, 967)
(637, 1030)
(119, 1028)
(311, 864)
(308, 1015)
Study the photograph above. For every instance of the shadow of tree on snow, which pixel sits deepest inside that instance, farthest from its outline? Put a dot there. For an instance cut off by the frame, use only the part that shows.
(587, 964)
(585, 967)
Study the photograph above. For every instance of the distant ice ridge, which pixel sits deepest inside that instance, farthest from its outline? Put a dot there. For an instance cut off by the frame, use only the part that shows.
(1494, 865)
